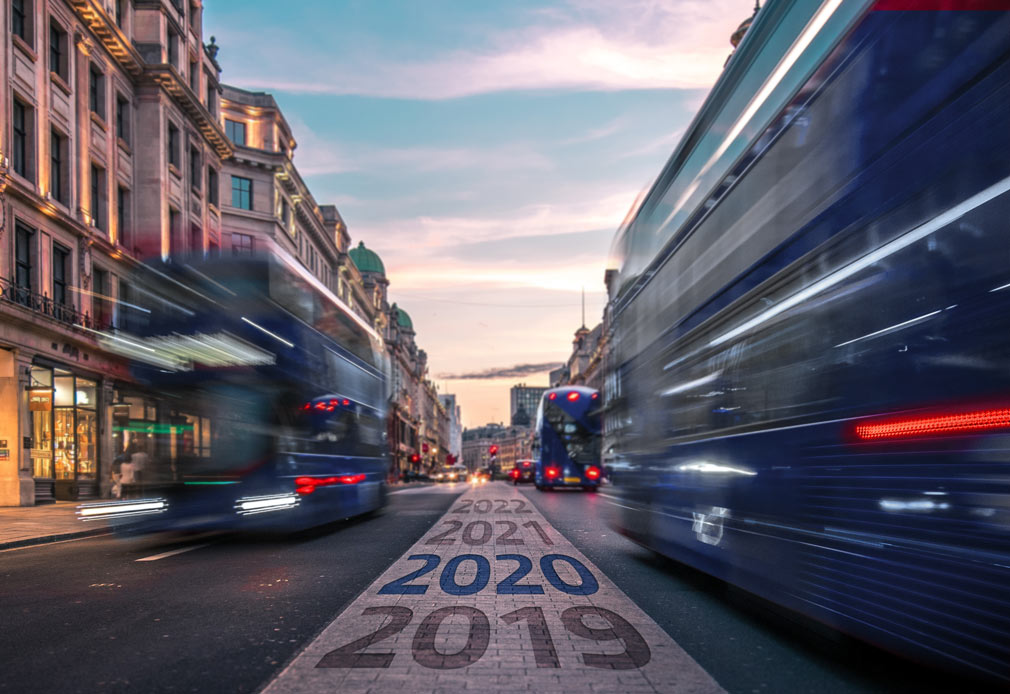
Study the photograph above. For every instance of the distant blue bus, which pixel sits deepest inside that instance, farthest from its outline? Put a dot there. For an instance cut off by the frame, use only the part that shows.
(265, 398)
(809, 389)
(568, 439)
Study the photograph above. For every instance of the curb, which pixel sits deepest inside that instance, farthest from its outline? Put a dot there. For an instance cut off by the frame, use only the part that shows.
(47, 539)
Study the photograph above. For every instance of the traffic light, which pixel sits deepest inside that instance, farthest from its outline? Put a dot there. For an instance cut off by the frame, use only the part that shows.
(415, 458)
(493, 450)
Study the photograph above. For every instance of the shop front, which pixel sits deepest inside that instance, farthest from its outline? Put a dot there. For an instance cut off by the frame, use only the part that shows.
(64, 432)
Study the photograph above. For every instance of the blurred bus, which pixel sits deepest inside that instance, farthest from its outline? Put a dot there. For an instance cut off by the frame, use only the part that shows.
(568, 439)
(269, 396)
(809, 393)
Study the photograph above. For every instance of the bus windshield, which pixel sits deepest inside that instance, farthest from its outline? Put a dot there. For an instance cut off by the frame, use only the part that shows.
(580, 439)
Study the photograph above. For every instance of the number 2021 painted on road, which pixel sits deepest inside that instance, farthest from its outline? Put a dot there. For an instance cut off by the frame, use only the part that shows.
(636, 650)
(509, 586)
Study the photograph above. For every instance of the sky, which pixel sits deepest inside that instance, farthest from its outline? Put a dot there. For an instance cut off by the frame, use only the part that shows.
(486, 150)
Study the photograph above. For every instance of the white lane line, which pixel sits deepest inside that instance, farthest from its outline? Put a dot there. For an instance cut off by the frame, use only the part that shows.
(40, 545)
(172, 553)
(493, 598)
(452, 487)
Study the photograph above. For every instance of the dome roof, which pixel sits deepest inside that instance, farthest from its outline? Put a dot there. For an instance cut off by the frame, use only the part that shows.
(403, 320)
(366, 260)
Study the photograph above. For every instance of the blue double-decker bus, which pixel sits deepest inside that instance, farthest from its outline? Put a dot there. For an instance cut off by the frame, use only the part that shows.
(568, 439)
(266, 400)
(809, 393)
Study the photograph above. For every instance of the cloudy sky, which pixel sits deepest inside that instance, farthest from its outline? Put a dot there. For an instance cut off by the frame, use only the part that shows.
(487, 150)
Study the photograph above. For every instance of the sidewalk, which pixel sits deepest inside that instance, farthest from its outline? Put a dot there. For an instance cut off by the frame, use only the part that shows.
(21, 526)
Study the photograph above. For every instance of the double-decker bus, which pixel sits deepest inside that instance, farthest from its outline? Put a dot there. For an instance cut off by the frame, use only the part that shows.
(267, 396)
(809, 393)
(568, 439)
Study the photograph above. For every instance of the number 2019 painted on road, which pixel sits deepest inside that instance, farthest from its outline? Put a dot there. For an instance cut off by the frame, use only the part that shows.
(423, 648)
(509, 586)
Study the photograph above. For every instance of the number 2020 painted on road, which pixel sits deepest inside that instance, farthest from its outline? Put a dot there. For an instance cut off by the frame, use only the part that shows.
(636, 650)
(509, 586)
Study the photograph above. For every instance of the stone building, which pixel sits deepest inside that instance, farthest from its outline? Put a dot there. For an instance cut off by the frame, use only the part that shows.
(524, 401)
(268, 207)
(418, 428)
(455, 438)
(111, 152)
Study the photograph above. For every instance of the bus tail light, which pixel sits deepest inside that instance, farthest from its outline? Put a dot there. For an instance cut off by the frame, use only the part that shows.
(306, 485)
(954, 423)
(552, 472)
(552, 396)
(573, 396)
(593, 472)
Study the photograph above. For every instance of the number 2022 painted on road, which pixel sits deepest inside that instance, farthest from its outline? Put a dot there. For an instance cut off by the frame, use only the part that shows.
(636, 650)
(509, 586)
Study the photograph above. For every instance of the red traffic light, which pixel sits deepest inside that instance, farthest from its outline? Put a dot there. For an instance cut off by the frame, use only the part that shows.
(493, 450)
(415, 458)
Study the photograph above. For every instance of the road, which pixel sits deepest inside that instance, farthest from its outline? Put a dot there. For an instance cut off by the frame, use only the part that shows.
(219, 613)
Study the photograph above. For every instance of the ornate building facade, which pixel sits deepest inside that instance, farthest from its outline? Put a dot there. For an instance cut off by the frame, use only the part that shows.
(111, 152)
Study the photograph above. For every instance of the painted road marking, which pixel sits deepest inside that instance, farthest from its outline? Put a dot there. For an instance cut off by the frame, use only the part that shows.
(172, 553)
(493, 598)
(446, 488)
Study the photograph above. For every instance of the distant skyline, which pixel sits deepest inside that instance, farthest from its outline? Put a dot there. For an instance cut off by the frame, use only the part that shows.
(486, 151)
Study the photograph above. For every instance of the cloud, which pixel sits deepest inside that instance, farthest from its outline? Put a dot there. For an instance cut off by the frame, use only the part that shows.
(517, 371)
(594, 46)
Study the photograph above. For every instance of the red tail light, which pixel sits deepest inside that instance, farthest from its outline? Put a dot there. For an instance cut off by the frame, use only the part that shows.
(307, 485)
(932, 425)
(320, 405)
(573, 396)
(513, 473)
(593, 472)
(345, 402)
(594, 396)
(552, 472)
(552, 396)
(526, 464)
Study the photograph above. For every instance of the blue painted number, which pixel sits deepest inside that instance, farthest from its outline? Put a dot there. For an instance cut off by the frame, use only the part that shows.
(508, 586)
(448, 579)
(588, 585)
(400, 587)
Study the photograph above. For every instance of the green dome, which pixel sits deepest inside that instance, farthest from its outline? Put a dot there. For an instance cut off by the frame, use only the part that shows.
(403, 320)
(366, 260)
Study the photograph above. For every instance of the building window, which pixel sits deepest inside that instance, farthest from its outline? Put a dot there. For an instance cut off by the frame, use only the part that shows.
(22, 121)
(23, 238)
(122, 118)
(174, 233)
(173, 49)
(241, 193)
(194, 75)
(196, 238)
(96, 91)
(121, 14)
(173, 145)
(195, 179)
(100, 308)
(57, 49)
(58, 186)
(123, 215)
(235, 131)
(241, 243)
(60, 257)
(212, 189)
(21, 20)
(98, 214)
(210, 101)
(285, 213)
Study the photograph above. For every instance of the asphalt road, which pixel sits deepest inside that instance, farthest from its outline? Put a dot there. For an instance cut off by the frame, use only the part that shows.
(225, 613)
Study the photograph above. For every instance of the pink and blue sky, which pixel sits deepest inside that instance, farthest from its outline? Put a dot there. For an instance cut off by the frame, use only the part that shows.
(486, 150)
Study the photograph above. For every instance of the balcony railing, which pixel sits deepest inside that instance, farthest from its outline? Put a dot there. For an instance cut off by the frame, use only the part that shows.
(43, 305)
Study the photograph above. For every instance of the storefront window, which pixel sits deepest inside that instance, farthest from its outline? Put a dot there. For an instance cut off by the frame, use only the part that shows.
(40, 405)
(64, 425)
(87, 428)
(63, 398)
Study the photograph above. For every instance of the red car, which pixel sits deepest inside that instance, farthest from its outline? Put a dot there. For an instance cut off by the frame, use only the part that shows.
(523, 471)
